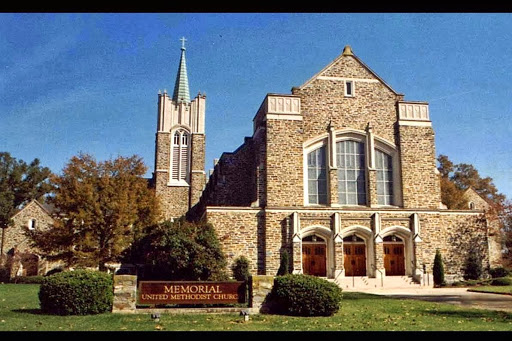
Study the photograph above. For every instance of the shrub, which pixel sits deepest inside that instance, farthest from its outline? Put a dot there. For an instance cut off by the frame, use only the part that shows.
(79, 292)
(305, 295)
(499, 272)
(473, 266)
(438, 270)
(28, 280)
(240, 269)
(502, 281)
(4, 274)
(180, 251)
(285, 264)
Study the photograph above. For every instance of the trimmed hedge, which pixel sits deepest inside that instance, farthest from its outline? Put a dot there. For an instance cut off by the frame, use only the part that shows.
(499, 272)
(79, 292)
(503, 281)
(28, 280)
(305, 295)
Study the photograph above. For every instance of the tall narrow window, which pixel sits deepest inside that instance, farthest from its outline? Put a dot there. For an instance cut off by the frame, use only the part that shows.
(384, 164)
(180, 156)
(351, 173)
(317, 177)
(349, 88)
(32, 224)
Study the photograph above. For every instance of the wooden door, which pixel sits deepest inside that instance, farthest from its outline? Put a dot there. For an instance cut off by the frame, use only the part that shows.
(355, 259)
(394, 261)
(313, 259)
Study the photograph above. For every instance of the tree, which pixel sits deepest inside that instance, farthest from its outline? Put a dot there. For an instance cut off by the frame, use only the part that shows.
(438, 269)
(455, 179)
(19, 184)
(102, 207)
(179, 250)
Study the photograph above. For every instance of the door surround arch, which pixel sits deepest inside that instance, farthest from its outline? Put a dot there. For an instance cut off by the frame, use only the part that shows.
(326, 234)
(406, 235)
(366, 234)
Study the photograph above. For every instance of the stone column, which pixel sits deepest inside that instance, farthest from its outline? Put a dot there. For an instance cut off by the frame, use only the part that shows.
(125, 294)
(260, 287)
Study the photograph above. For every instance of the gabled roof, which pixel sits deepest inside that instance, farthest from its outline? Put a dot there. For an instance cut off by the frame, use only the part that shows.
(347, 51)
(46, 208)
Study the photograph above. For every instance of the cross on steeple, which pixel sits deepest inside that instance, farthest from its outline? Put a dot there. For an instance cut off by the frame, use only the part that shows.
(183, 40)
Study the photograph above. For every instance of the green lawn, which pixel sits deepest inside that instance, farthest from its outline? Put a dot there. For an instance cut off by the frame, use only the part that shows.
(19, 311)
(494, 289)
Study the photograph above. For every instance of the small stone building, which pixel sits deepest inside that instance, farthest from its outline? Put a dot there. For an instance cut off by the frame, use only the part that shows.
(18, 256)
(340, 174)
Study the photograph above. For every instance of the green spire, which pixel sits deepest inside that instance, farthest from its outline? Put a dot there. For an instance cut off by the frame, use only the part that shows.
(181, 92)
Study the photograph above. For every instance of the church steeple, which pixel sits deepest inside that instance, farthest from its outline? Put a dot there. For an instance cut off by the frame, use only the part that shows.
(181, 93)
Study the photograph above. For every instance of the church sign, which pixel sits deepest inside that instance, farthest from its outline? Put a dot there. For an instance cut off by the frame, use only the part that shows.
(163, 292)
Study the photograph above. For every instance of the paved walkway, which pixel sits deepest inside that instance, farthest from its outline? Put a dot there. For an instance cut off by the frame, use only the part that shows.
(459, 296)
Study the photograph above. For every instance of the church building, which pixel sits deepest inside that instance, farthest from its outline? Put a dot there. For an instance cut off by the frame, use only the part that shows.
(340, 174)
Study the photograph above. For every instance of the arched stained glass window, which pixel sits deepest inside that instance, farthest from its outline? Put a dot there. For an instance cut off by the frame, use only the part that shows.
(351, 172)
(384, 165)
(317, 177)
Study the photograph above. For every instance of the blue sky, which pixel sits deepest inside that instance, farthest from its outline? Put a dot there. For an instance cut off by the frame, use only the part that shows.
(89, 82)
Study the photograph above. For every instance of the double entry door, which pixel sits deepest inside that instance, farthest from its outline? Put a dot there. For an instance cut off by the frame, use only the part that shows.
(314, 259)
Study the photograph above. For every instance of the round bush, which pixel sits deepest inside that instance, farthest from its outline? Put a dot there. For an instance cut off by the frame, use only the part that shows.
(304, 295)
(79, 292)
(503, 281)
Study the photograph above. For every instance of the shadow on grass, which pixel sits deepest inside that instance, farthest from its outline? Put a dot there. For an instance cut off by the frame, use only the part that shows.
(29, 311)
(472, 314)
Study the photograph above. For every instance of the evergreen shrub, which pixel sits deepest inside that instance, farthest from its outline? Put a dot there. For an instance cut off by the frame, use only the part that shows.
(473, 267)
(80, 292)
(305, 295)
(438, 270)
(284, 266)
(240, 269)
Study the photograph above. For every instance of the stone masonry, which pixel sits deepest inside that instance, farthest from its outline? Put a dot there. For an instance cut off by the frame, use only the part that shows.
(257, 196)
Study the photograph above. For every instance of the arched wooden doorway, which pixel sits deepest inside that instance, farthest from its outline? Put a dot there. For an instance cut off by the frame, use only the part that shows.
(314, 256)
(354, 250)
(394, 255)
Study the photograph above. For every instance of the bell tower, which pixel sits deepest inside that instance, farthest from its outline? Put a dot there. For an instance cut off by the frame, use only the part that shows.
(179, 175)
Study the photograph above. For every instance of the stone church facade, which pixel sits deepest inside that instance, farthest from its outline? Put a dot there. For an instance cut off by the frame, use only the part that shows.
(340, 174)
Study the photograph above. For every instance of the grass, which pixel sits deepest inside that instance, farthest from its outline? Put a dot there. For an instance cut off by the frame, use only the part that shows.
(19, 311)
(494, 289)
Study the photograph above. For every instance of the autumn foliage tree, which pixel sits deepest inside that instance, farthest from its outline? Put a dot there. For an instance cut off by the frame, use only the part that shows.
(102, 208)
(456, 178)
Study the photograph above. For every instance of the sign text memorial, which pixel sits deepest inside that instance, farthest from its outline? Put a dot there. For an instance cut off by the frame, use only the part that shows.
(162, 292)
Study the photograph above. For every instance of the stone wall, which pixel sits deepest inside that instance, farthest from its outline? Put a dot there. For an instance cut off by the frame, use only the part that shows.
(284, 163)
(125, 294)
(420, 179)
(323, 101)
(241, 233)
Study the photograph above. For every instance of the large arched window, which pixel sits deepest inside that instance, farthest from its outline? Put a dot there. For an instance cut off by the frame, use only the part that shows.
(180, 156)
(350, 161)
(317, 176)
(384, 166)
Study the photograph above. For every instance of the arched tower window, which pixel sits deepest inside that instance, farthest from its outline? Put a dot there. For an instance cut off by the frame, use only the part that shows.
(180, 156)
(350, 161)
(384, 165)
(317, 177)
